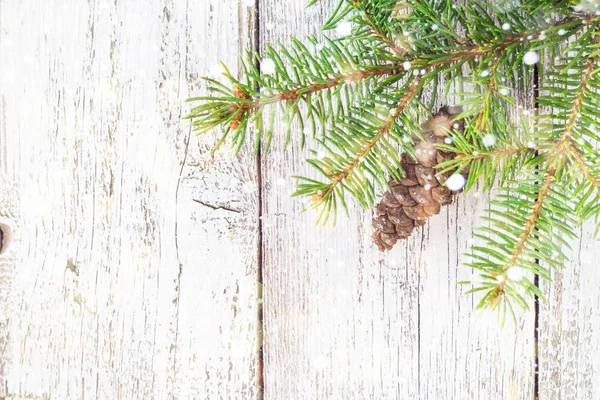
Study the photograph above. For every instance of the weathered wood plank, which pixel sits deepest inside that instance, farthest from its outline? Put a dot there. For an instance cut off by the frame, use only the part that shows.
(344, 321)
(120, 285)
(569, 326)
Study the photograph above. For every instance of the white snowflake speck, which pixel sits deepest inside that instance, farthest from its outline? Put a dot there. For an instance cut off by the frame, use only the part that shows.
(456, 182)
(434, 27)
(489, 140)
(448, 141)
(504, 91)
(506, 26)
(515, 273)
(456, 125)
(531, 57)
(531, 144)
(427, 186)
(344, 28)
(267, 66)
(406, 65)
(248, 187)
(562, 32)
(321, 362)
(485, 73)
(423, 71)
(406, 139)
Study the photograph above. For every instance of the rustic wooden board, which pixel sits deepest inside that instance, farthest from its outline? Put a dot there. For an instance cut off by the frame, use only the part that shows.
(120, 285)
(344, 321)
(569, 325)
(135, 274)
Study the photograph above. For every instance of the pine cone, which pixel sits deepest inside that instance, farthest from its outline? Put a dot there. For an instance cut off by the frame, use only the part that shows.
(420, 194)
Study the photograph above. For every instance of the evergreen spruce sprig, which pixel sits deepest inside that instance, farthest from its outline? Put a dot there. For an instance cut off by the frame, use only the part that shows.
(361, 151)
(538, 213)
(483, 106)
(363, 93)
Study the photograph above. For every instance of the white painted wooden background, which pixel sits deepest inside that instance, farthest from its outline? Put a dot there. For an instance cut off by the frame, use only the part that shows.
(135, 272)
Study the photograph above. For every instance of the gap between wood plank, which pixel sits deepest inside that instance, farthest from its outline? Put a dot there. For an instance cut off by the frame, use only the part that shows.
(536, 278)
(261, 314)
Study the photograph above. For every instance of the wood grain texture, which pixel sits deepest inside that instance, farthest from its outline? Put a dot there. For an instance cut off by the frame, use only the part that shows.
(120, 285)
(343, 321)
(134, 273)
(569, 325)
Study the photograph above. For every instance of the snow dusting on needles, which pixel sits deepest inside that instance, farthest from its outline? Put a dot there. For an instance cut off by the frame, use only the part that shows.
(531, 57)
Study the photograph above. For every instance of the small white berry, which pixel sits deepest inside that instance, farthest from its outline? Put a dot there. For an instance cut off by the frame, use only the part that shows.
(531, 57)
(406, 65)
(456, 125)
(506, 26)
(456, 182)
(423, 71)
(434, 27)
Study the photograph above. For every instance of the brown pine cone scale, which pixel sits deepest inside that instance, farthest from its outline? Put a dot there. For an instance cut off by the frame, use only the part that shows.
(420, 194)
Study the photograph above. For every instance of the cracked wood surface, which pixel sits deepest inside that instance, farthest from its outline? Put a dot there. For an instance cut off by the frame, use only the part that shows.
(135, 270)
(119, 284)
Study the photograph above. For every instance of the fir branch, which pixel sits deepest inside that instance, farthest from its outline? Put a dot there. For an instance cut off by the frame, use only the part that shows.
(587, 170)
(531, 223)
(367, 147)
(367, 16)
(292, 95)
